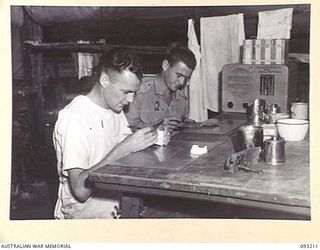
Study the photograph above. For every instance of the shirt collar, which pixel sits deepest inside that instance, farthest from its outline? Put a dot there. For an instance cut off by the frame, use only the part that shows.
(107, 112)
(160, 86)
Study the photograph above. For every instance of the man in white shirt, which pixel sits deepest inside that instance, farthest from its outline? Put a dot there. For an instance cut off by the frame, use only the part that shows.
(92, 131)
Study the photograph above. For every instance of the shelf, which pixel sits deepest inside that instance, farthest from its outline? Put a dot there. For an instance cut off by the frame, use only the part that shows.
(299, 57)
(91, 47)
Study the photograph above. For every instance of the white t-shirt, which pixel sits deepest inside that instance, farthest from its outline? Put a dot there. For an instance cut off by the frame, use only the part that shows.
(84, 134)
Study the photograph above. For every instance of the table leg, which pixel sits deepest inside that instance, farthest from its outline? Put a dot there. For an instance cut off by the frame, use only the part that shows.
(131, 206)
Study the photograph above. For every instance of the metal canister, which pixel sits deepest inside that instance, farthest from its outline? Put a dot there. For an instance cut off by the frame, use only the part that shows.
(256, 111)
(274, 151)
(250, 136)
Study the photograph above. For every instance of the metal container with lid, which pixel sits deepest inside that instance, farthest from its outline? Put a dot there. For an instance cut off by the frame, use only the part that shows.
(274, 151)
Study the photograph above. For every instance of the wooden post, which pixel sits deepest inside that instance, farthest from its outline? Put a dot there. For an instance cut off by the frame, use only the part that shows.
(131, 207)
(33, 72)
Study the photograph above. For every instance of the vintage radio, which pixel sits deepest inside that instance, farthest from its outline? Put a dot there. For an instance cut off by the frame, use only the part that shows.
(243, 83)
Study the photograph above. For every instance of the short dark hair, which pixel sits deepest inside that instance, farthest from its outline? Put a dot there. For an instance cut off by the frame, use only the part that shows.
(119, 59)
(179, 53)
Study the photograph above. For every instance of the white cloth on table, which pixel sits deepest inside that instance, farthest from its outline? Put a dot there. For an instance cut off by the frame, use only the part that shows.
(197, 111)
(221, 41)
(275, 24)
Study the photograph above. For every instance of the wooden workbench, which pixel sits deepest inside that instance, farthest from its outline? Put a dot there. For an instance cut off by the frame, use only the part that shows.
(172, 172)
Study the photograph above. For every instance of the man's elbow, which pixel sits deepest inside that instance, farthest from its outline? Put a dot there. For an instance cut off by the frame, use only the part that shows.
(81, 194)
(81, 197)
(78, 185)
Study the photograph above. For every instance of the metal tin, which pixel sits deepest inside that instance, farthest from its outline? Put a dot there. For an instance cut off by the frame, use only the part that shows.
(274, 151)
(257, 111)
(250, 136)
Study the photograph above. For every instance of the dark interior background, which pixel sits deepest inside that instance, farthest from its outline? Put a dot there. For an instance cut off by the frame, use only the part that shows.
(160, 26)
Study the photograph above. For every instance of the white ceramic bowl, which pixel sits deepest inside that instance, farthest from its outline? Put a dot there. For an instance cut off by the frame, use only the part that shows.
(292, 129)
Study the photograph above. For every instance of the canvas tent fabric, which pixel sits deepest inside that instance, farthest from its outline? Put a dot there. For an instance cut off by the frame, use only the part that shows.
(197, 111)
(47, 16)
(221, 38)
(51, 15)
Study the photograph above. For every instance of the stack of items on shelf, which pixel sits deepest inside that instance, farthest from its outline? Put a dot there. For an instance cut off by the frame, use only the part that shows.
(265, 51)
(271, 45)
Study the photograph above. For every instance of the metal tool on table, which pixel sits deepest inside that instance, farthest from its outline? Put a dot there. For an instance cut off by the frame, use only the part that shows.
(247, 169)
(243, 160)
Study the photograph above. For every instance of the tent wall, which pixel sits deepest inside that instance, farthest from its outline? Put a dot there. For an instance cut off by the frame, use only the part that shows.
(157, 26)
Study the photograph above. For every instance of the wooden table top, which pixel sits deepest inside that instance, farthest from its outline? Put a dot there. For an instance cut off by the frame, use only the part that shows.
(172, 171)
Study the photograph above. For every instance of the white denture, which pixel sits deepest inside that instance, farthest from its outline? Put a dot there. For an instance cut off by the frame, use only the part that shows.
(197, 150)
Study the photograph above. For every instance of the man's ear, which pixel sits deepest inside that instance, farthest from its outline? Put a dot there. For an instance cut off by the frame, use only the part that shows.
(165, 64)
(104, 80)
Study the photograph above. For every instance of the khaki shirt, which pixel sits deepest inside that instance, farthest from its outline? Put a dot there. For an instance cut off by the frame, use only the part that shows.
(150, 106)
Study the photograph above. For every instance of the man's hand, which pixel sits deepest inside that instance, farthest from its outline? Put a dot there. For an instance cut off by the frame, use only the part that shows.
(171, 123)
(141, 139)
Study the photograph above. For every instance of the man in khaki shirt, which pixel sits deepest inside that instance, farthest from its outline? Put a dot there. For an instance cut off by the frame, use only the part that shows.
(162, 98)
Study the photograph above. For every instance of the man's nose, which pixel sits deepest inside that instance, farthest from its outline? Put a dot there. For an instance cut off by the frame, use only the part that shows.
(182, 80)
(130, 97)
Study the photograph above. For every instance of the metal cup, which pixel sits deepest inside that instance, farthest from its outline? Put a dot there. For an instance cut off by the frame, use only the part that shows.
(256, 112)
(274, 151)
(250, 136)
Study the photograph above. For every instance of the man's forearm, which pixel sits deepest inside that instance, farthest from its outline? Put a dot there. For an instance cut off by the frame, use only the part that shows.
(78, 177)
(116, 153)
